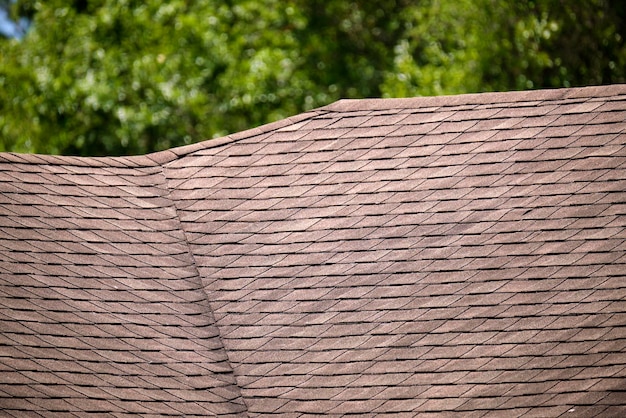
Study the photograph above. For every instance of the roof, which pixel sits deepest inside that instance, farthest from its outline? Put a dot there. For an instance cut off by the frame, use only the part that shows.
(460, 255)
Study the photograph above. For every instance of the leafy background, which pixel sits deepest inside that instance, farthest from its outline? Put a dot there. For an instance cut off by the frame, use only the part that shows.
(119, 77)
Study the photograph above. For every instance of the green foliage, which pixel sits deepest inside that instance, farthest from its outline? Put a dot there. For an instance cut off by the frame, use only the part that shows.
(119, 77)
(458, 46)
(114, 77)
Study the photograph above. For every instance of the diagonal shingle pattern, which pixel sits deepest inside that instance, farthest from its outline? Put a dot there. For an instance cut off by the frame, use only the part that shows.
(101, 306)
(461, 255)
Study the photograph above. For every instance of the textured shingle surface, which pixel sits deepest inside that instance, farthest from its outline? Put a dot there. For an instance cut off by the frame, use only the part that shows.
(452, 255)
(101, 305)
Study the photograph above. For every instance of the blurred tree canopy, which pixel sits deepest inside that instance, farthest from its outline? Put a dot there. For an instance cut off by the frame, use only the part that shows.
(114, 77)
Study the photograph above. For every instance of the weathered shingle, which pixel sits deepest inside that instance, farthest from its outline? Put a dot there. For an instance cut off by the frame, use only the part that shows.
(457, 255)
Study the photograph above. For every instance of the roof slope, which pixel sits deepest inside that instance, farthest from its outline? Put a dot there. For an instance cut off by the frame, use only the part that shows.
(461, 254)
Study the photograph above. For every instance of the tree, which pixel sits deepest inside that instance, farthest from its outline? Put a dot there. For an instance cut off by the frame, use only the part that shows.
(457, 46)
(121, 77)
(95, 77)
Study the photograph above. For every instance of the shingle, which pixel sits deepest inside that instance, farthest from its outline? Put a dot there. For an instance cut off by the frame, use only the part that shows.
(461, 254)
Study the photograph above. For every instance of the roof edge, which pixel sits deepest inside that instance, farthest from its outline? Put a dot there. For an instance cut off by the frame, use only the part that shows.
(169, 155)
(131, 161)
(155, 158)
(342, 105)
(347, 105)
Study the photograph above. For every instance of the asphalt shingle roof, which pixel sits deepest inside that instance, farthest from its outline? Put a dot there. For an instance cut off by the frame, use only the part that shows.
(460, 255)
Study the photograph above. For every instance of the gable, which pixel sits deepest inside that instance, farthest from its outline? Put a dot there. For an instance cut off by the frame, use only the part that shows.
(460, 254)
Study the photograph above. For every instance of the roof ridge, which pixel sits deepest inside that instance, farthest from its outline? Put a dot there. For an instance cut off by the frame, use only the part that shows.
(372, 104)
(341, 105)
(157, 158)
(130, 161)
(170, 155)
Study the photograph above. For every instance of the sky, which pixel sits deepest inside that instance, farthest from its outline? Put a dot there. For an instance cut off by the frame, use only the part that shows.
(9, 28)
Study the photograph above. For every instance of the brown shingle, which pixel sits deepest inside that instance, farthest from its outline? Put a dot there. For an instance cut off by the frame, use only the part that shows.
(460, 255)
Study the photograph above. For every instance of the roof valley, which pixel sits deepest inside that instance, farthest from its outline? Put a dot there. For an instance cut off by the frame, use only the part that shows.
(197, 281)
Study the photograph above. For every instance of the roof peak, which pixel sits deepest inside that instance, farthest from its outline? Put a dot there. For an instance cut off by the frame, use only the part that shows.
(485, 98)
